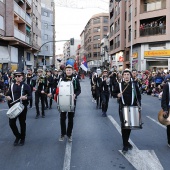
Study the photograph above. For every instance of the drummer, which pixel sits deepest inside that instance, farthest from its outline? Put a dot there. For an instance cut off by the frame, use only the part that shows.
(77, 91)
(14, 93)
(127, 98)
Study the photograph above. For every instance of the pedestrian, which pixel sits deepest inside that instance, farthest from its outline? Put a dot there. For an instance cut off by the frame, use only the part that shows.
(77, 90)
(129, 95)
(19, 90)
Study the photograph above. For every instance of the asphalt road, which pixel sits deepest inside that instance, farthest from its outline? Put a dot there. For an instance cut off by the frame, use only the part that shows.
(96, 140)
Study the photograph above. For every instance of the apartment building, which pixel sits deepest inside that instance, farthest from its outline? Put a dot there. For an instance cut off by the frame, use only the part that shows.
(69, 50)
(139, 34)
(47, 52)
(19, 33)
(96, 29)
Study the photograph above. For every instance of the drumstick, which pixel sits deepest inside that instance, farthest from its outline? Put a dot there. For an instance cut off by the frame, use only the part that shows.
(125, 88)
(17, 100)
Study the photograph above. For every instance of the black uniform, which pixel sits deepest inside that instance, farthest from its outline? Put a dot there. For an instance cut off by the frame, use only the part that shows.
(105, 92)
(22, 116)
(41, 86)
(165, 106)
(77, 91)
(31, 82)
(127, 96)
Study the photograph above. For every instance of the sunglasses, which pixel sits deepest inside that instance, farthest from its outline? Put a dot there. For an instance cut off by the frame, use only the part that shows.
(18, 75)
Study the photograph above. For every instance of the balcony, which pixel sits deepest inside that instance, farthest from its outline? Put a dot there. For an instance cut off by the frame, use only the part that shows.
(156, 5)
(21, 36)
(112, 20)
(152, 31)
(19, 11)
(28, 19)
(111, 6)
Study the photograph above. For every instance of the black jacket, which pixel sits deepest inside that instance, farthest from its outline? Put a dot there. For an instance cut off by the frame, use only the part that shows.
(165, 98)
(127, 94)
(17, 93)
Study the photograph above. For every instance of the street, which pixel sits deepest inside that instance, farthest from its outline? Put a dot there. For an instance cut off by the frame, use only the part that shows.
(96, 142)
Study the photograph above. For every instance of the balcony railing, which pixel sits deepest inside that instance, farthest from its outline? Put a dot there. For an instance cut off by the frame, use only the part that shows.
(28, 19)
(152, 31)
(21, 36)
(22, 13)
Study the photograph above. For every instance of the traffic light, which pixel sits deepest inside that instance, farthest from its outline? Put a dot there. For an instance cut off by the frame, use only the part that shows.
(71, 41)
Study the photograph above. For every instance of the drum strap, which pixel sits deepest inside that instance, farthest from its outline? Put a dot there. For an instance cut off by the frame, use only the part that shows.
(120, 87)
(22, 87)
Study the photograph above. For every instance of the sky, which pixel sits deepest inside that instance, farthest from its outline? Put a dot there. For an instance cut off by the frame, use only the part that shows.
(70, 21)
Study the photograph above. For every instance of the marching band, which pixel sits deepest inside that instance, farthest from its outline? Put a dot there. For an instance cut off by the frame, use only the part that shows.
(63, 86)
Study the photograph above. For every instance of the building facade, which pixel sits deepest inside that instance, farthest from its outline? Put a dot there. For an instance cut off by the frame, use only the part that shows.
(139, 34)
(95, 30)
(70, 51)
(47, 51)
(19, 38)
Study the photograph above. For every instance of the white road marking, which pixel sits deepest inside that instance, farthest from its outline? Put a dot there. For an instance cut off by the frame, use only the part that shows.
(156, 122)
(3, 110)
(67, 157)
(141, 160)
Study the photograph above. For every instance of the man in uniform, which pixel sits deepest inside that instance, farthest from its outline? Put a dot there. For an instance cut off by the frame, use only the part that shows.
(77, 91)
(19, 90)
(129, 96)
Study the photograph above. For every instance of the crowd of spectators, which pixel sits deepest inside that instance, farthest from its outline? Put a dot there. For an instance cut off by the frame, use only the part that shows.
(152, 28)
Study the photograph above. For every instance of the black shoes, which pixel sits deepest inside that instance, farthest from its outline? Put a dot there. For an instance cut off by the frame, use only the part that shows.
(37, 116)
(126, 148)
(22, 142)
(19, 142)
(16, 141)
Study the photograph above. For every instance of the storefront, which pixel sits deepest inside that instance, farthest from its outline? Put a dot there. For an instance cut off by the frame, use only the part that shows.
(157, 60)
(135, 61)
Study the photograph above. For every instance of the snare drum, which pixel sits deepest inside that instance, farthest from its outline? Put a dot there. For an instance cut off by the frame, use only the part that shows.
(65, 99)
(15, 110)
(131, 117)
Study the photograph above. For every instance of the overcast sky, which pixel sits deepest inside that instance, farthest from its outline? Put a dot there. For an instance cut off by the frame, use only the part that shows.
(70, 22)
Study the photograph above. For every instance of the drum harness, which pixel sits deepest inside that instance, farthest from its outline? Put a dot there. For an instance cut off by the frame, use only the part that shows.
(133, 94)
(22, 87)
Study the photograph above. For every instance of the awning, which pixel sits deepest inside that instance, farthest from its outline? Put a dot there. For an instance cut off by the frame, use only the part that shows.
(4, 54)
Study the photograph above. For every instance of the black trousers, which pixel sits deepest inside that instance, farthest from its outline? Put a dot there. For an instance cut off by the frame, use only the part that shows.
(105, 101)
(38, 96)
(46, 101)
(63, 123)
(22, 122)
(168, 133)
(98, 97)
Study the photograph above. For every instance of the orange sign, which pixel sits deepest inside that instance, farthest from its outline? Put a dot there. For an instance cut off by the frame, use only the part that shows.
(157, 53)
(135, 55)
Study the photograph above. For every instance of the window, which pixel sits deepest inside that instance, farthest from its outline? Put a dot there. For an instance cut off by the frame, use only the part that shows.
(46, 48)
(104, 36)
(105, 19)
(96, 20)
(97, 37)
(105, 28)
(45, 14)
(96, 29)
(36, 21)
(96, 46)
(28, 56)
(1, 22)
(45, 37)
(45, 25)
(36, 39)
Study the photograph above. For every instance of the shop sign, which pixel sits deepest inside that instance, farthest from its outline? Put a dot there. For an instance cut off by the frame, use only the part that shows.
(135, 55)
(157, 53)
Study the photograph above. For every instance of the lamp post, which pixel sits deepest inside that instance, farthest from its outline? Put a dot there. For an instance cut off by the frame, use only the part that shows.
(131, 42)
